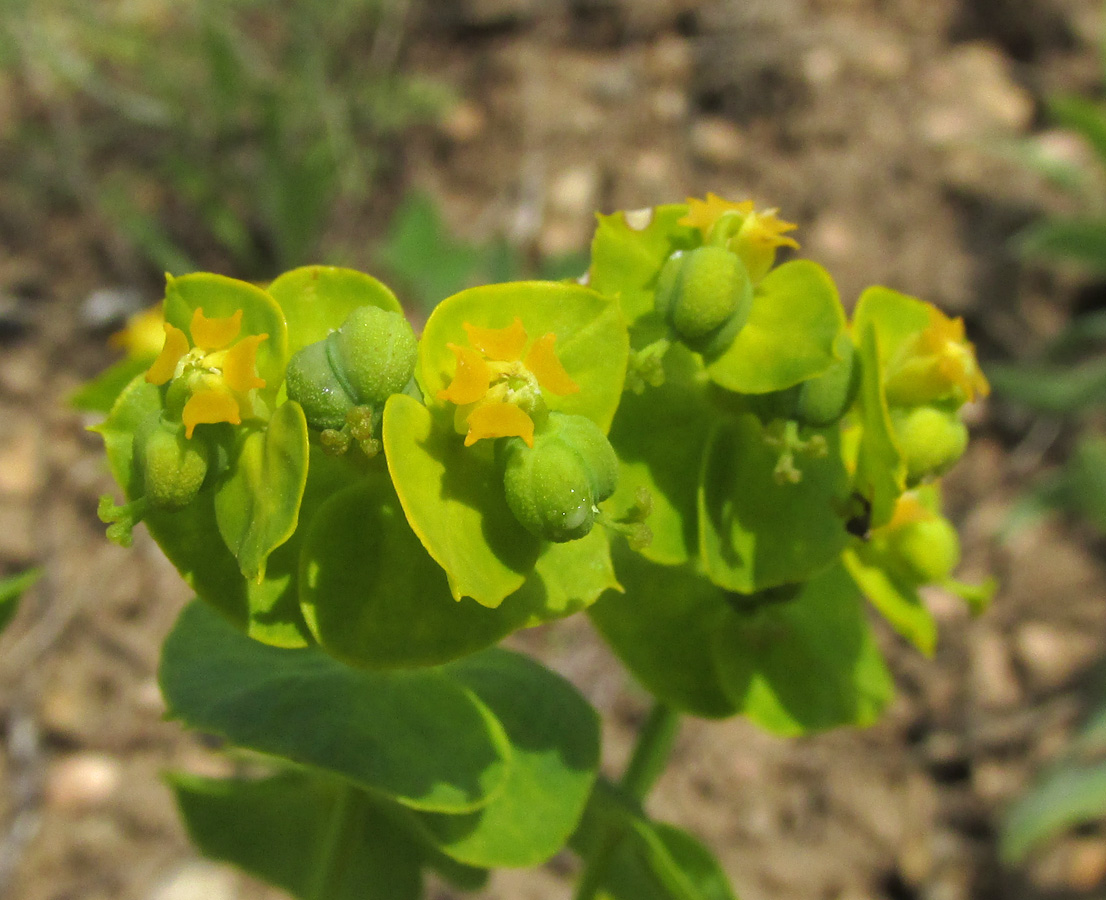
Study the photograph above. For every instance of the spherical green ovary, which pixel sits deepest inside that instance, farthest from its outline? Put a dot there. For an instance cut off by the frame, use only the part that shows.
(173, 467)
(931, 439)
(705, 295)
(825, 399)
(314, 385)
(926, 552)
(553, 487)
(377, 351)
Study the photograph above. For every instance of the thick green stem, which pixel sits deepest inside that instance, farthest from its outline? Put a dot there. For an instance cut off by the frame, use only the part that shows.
(332, 854)
(647, 762)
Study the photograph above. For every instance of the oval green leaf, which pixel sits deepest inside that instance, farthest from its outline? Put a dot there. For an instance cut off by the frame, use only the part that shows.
(317, 299)
(790, 336)
(374, 598)
(897, 601)
(417, 737)
(554, 735)
(453, 498)
(258, 504)
(755, 533)
(806, 664)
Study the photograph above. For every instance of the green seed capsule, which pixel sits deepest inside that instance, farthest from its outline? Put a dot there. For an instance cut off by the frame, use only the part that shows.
(925, 552)
(824, 400)
(173, 468)
(931, 439)
(553, 487)
(361, 364)
(705, 295)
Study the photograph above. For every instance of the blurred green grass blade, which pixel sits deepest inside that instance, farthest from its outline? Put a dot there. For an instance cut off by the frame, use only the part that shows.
(1067, 797)
(1081, 241)
(1052, 389)
(1030, 153)
(1083, 116)
(1044, 496)
(1084, 330)
(11, 589)
(1087, 479)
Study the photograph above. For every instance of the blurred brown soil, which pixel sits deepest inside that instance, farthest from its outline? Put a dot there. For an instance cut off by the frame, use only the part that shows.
(879, 126)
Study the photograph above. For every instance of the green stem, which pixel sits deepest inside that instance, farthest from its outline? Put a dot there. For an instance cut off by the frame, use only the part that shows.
(647, 762)
(331, 863)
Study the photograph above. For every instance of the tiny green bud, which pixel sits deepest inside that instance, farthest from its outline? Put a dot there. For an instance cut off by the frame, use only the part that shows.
(173, 468)
(931, 440)
(553, 487)
(705, 296)
(925, 552)
(823, 400)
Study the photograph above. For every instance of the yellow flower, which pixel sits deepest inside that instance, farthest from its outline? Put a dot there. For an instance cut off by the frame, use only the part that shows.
(216, 376)
(753, 236)
(143, 335)
(938, 363)
(498, 391)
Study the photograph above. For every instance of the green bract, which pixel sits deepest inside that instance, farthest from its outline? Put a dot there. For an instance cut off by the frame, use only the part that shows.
(694, 446)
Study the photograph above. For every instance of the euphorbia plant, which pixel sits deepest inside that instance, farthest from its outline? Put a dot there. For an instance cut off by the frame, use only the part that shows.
(691, 443)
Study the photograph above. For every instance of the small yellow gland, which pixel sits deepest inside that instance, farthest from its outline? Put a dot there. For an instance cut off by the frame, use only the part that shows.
(496, 389)
(753, 236)
(216, 372)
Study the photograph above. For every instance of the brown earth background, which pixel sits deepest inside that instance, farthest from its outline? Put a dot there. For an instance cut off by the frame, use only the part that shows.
(881, 127)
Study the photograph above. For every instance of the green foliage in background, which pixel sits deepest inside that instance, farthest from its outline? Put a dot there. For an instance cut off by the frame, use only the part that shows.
(246, 125)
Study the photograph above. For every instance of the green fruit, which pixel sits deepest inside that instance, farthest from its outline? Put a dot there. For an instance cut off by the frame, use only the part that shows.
(314, 385)
(553, 487)
(825, 399)
(173, 468)
(925, 552)
(377, 351)
(369, 358)
(930, 439)
(705, 296)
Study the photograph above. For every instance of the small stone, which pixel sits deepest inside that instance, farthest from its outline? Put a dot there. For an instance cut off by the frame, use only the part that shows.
(832, 236)
(82, 782)
(614, 82)
(109, 307)
(821, 65)
(464, 123)
(993, 675)
(717, 141)
(652, 166)
(21, 470)
(671, 58)
(1087, 864)
(670, 105)
(1052, 656)
(997, 782)
(198, 881)
(573, 192)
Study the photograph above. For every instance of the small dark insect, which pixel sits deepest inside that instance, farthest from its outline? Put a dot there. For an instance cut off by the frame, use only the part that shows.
(859, 522)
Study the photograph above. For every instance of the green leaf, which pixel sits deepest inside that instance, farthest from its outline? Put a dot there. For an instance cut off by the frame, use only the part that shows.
(1087, 480)
(372, 596)
(453, 498)
(417, 737)
(895, 317)
(1083, 116)
(554, 735)
(805, 664)
(568, 578)
(317, 299)
(793, 326)
(880, 469)
(757, 533)
(293, 828)
(592, 341)
(897, 601)
(99, 394)
(1060, 389)
(219, 296)
(1069, 795)
(626, 259)
(1078, 241)
(258, 504)
(11, 589)
(660, 628)
(667, 469)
